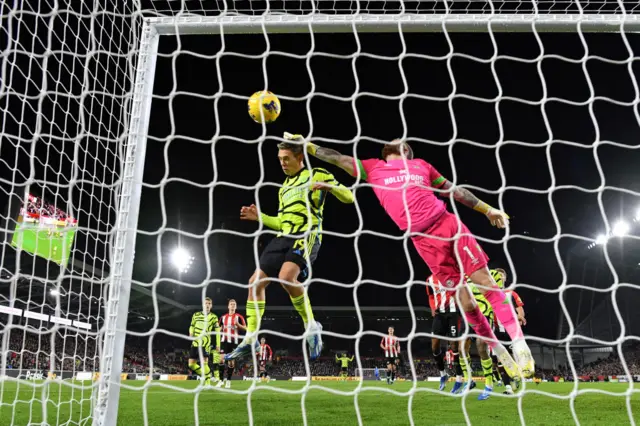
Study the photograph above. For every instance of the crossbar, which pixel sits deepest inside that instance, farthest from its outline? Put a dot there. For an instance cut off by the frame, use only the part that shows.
(371, 23)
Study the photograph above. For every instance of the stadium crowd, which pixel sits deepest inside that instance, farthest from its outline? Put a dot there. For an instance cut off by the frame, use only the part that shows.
(79, 353)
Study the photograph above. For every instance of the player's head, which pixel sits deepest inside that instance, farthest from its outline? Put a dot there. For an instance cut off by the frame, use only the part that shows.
(390, 330)
(232, 305)
(263, 341)
(291, 157)
(344, 354)
(395, 150)
(207, 304)
(503, 277)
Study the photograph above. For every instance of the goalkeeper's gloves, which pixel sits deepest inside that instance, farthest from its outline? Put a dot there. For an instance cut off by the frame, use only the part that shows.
(497, 217)
(311, 148)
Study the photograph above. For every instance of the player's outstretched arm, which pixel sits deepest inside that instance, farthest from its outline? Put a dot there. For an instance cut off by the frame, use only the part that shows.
(329, 155)
(464, 196)
(324, 181)
(251, 213)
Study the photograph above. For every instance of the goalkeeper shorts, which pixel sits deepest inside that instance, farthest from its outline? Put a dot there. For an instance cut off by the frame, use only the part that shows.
(441, 254)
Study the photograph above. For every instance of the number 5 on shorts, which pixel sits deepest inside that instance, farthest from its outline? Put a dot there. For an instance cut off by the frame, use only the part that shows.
(454, 331)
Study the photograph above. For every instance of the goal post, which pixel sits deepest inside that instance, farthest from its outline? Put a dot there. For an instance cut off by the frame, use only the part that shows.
(123, 251)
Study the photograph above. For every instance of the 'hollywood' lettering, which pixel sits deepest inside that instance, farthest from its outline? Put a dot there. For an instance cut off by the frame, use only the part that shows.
(404, 178)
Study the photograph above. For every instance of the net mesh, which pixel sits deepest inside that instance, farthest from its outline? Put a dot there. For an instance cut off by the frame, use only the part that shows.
(64, 87)
(65, 91)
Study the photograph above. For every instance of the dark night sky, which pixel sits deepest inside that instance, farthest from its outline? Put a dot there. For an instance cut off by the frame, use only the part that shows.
(192, 129)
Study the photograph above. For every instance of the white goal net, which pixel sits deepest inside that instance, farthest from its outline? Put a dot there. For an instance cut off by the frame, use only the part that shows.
(124, 132)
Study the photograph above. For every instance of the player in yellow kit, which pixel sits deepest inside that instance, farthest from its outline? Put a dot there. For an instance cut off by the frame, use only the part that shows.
(344, 361)
(203, 324)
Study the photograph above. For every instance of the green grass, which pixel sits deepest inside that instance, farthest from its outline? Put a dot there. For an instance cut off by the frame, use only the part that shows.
(165, 406)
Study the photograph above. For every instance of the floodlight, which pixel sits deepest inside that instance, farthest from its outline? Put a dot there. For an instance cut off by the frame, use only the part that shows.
(620, 228)
(601, 239)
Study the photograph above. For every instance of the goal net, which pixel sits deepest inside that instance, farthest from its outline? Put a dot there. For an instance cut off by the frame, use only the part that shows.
(124, 132)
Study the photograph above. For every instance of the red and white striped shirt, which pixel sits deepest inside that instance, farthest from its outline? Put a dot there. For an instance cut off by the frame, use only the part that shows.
(265, 353)
(229, 324)
(391, 346)
(441, 299)
(449, 359)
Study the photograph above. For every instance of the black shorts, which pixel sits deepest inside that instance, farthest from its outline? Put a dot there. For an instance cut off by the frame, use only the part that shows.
(447, 324)
(301, 251)
(227, 347)
(391, 360)
(194, 353)
(345, 369)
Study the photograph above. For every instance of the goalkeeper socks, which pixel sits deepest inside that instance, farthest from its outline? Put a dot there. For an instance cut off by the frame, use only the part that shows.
(439, 357)
(207, 372)
(255, 310)
(503, 310)
(456, 364)
(481, 326)
(487, 369)
(303, 306)
(229, 372)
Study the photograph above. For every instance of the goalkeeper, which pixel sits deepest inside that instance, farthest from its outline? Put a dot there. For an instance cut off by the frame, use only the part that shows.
(289, 255)
(203, 324)
(344, 362)
(405, 187)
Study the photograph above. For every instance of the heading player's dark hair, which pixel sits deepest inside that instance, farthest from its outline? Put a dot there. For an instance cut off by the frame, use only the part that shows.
(296, 149)
(395, 147)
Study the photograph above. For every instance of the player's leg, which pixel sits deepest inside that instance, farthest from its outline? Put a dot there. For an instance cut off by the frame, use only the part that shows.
(481, 325)
(215, 364)
(487, 368)
(270, 262)
(297, 262)
(465, 359)
(438, 329)
(231, 366)
(442, 256)
(453, 259)
(505, 314)
(197, 359)
(453, 326)
(389, 371)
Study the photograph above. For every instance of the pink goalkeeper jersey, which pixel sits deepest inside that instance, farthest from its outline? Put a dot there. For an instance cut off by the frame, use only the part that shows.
(390, 178)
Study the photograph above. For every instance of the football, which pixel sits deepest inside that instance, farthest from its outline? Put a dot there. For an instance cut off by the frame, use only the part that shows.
(264, 107)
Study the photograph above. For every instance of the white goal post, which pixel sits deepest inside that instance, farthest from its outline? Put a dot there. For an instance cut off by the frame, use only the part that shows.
(130, 153)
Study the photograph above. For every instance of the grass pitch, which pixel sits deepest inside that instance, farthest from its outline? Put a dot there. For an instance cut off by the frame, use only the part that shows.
(280, 403)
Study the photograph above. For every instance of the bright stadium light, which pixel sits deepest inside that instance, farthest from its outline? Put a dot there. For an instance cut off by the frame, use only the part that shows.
(601, 239)
(54, 292)
(181, 259)
(637, 218)
(620, 228)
